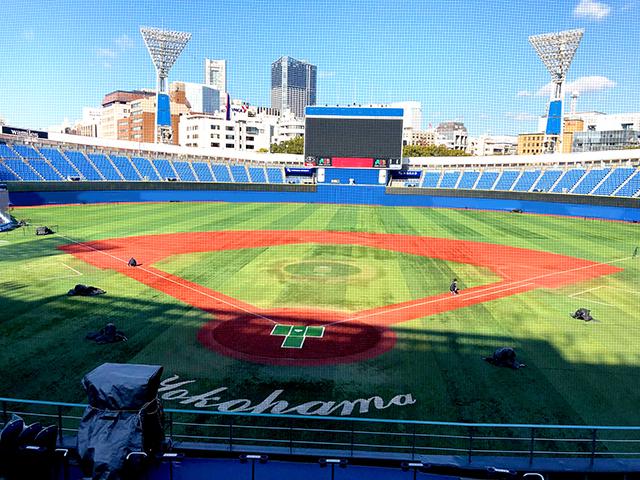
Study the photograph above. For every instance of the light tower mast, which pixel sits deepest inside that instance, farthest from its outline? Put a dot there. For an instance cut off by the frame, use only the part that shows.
(556, 50)
(164, 47)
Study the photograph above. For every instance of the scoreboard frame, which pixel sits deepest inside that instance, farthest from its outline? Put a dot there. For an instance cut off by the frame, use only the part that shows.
(343, 155)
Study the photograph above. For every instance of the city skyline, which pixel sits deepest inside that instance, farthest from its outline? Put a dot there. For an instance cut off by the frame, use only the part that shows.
(462, 61)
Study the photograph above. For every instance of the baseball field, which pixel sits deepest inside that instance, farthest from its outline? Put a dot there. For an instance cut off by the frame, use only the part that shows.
(323, 304)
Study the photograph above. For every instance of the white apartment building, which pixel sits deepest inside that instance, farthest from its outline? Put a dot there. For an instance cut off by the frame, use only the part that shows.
(210, 131)
(486, 145)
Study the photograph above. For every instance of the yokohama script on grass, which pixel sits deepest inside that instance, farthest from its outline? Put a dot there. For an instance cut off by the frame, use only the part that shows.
(172, 389)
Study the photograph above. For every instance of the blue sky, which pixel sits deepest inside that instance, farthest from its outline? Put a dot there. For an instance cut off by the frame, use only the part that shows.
(463, 60)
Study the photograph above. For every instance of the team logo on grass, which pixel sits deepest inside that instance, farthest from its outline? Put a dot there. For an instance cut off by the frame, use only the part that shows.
(315, 336)
(294, 337)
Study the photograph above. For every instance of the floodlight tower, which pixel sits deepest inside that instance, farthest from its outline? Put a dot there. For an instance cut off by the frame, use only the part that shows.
(164, 47)
(556, 50)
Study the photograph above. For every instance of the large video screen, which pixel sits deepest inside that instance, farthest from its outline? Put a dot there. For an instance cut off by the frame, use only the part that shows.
(349, 137)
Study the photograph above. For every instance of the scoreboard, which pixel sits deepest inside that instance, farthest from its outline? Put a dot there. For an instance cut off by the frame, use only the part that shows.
(353, 137)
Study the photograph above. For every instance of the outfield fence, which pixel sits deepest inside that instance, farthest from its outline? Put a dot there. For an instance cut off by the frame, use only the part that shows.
(359, 437)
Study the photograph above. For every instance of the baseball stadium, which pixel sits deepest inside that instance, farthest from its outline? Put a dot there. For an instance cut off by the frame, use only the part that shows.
(411, 317)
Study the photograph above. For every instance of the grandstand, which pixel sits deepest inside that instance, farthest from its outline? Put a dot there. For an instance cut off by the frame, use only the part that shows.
(613, 173)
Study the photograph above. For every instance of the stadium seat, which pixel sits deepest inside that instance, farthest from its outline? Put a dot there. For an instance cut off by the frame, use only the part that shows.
(239, 174)
(468, 179)
(275, 175)
(506, 180)
(257, 175)
(613, 181)
(145, 167)
(7, 153)
(61, 164)
(165, 169)
(547, 180)
(590, 180)
(105, 167)
(449, 179)
(430, 179)
(45, 170)
(23, 170)
(79, 160)
(568, 180)
(202, 171)
(221, 172)
(25, 151)
(486, 181)
(630, 188)
(6, 174)
(126, 167)
(184, 171)
(526, 180)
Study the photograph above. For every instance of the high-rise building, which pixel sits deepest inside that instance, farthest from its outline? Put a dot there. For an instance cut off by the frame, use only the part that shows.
(293, 85)
(215, 74)
(200, 98)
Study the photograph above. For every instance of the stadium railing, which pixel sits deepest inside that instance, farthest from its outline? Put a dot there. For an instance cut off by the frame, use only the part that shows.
(361, 437)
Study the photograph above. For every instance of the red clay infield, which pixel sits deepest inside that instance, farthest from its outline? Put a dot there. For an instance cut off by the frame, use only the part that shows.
(242, 331)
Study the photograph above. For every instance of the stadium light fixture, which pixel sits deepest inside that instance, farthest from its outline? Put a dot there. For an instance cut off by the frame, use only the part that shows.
(165, 47)
(556, 50)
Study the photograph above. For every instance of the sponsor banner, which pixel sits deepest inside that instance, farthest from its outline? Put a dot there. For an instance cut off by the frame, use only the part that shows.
(23, 132)
(406, 174)
(300, 172)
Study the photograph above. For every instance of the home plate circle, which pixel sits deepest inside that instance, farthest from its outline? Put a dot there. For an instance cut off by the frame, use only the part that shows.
(286, 337)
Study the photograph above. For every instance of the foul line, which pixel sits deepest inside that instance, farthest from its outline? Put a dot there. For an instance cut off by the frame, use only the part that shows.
(486, 291)
(238, 307)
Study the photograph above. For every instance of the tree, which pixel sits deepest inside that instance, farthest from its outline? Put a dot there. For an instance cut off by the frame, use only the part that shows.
(431, 151)
(263, 150)
(293, 146)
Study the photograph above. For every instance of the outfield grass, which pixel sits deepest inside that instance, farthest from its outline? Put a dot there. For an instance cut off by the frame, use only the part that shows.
(576, 372)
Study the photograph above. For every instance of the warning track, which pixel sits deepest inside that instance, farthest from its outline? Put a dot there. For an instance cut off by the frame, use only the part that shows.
(241, 330)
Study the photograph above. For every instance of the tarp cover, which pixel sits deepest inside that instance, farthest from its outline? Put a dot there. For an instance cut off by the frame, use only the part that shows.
(123, 416)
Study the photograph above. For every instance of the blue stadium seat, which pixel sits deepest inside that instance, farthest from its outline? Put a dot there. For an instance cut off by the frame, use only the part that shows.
(82, 164)
(126, 167)
(486, 181)
(507, 179)
(26, 151)
(590, 180)
(145, 168)
(257, 175)
(45, 170)
(165, 169)
(468, 179)
(275, 175)
(7, 153)
(613, 181)
(105, 167)
(221, 172)
(202, 171)
(630, 188)
(239, 174)
(547, 180)
(60, 163)
(23, 170)
(430, 179)
(568, 180)
(526, 181)
(7, 175)
(184, 171)
(449, 179)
